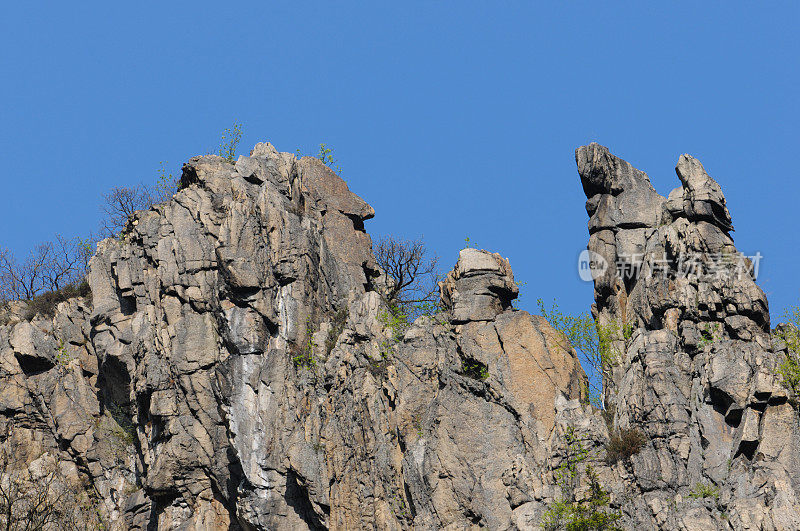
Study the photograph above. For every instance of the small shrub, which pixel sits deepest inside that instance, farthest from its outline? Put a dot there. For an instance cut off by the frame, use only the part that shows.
(567, 472)
(474, 369)
(166, 185)
(399, 507)
(305, 358)
(628, 330)
(704, 490)
(325, 154)
(789, 370)
(416, 423)
(45, 304)
(623, 444)
(589, 513)
(570, 513)
(396, 321)
(469, 244)
(63, 357)
(229, 141)
(789, 333)
(606, 335)
(303, 354)
(708, 334)
(377, 368)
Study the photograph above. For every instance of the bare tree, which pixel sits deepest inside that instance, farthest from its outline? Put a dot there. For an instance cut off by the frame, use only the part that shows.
(25, 280)
(51, 266)
(42, 503)
(413, 270)
(119, 206)
(66, 264)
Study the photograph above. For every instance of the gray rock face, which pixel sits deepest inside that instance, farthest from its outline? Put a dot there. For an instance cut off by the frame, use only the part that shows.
(695, 369)
(235, 369)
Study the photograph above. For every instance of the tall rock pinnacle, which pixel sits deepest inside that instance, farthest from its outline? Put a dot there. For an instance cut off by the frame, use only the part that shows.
(695, 369)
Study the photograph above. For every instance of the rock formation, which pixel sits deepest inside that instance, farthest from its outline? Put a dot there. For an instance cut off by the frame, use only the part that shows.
(235, 369)
(698, 372)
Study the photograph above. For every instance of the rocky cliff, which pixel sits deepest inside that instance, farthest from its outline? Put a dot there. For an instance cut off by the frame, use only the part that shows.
(235, 368)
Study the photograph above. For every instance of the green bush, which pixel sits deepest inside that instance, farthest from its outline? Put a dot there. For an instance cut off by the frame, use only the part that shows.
(396, 321)
(709, 333)
(326, 156)
(623, 444)
(166, 185)
(789, 370)
(570, 513)
(627, 331)
(304, 357)
(789, 333)
(229, 141)
(63, 356)
(303, 352)
(589, 513)
(474, 369)
(704, 490)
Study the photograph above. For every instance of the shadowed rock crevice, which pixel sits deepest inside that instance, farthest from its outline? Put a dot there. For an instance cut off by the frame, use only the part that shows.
(297, 498)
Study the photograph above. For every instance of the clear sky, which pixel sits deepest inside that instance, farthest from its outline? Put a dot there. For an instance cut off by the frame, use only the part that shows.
(453, 119)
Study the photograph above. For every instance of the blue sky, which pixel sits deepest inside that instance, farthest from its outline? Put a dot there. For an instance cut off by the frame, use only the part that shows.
(453, 119)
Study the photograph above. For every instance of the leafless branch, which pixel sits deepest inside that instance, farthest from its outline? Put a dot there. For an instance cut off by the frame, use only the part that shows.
(120, 204)
(49, 267)
(42, 503)
(412, 268)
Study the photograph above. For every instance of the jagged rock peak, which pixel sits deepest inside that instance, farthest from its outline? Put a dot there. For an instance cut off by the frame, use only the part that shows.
(602, 172)
(702, 195)
(618, 195)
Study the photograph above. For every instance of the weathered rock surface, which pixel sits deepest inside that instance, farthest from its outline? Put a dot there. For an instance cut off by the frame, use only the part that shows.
(234, 369)
(696, 371)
